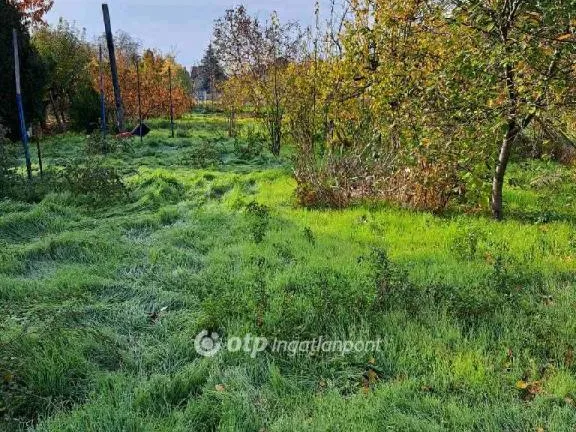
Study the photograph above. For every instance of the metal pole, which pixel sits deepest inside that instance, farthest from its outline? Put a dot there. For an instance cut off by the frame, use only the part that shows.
(102, 95)
(23, 131)
(139, 98)
(171, 102)
(113, 68)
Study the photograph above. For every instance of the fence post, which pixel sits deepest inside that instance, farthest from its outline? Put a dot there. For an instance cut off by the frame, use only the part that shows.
(39, 149)
(139, 100)
(23, 131)
(113, 68)
(171, 102)
(102, 95)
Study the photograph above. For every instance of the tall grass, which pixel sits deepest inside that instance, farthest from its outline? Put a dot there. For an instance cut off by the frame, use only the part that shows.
(102, 305)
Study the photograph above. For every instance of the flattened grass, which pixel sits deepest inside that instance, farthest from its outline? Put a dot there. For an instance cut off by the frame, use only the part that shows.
(102, 303)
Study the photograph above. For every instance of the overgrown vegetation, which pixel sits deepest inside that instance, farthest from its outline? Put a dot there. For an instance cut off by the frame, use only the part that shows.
(421, 103)
(104, 297)
(286, 211)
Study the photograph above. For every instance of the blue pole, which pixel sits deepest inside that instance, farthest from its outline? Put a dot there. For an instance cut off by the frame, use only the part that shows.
(23, 131)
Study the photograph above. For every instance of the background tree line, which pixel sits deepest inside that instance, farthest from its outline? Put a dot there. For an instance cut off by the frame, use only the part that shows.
(60, 73)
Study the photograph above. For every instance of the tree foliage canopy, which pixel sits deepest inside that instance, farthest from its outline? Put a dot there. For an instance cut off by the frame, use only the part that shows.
(422, 102)
(154, 74)
(33, 11)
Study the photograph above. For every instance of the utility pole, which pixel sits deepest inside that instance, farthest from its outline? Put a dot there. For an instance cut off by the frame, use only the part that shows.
(23, 131)
(171, 102)
(102, 96)
(113, 68)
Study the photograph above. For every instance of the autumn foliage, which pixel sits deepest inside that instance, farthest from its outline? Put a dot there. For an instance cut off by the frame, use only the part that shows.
(33, 10)
(418, 102)
(154, 85)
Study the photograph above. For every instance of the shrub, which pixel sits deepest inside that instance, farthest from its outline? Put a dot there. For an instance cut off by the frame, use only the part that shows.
(89, 177)
(206, 154)
(98, 144)
(258, 219)
(249, 143)
(7, 163)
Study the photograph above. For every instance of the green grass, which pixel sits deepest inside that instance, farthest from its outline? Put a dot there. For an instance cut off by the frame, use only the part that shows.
(102, 302)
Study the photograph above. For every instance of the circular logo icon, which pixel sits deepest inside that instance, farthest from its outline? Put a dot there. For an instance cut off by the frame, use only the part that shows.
(207, 344)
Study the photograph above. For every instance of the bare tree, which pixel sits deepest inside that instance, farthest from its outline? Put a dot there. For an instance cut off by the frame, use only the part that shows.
(258, 53)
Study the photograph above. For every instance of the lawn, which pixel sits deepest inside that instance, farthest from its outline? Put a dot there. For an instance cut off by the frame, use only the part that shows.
(102, 301)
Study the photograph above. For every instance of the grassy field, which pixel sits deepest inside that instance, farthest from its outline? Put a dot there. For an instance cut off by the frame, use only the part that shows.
(102, 301)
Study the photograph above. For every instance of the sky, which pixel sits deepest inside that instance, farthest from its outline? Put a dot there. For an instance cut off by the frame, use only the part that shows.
(181, 27)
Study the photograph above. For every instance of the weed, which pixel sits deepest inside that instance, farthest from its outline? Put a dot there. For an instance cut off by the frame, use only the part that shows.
(205, 155)
(98, 144)
(258, 219)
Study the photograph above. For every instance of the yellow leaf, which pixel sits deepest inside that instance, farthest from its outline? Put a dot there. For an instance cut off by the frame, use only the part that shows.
(565, 37)
(522, 385)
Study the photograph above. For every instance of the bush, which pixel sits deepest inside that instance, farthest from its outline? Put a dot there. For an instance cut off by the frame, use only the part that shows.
(7, 163)
(85, 109)
(258, 219)
(249, 143)
(90, 178)
(97, 144)
(206, 154)
(12, 184)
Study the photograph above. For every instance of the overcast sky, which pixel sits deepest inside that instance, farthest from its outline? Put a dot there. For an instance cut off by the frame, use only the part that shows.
(180, 26)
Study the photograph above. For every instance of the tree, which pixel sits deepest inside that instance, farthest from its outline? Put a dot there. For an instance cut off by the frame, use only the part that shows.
(33, 11)
(419, 92)
(32, 71)
(377, 127)
(154, 86)
(210, 73)
(257, 54)
(528, 48)
(67, 56)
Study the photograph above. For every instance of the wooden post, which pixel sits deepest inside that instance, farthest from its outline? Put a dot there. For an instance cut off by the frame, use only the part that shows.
(102, 95)
(39, 155)
(171, 102)
(139, 99)
(23, 131)
(113, 68)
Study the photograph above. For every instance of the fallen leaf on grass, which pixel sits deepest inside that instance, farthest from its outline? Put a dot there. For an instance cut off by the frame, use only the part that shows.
(529, 389)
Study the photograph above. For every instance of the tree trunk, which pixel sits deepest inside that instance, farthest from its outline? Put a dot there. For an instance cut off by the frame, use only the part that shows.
(55, 111)
(64, 119)
(276, 135)
(500, 173)
(232, 124)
